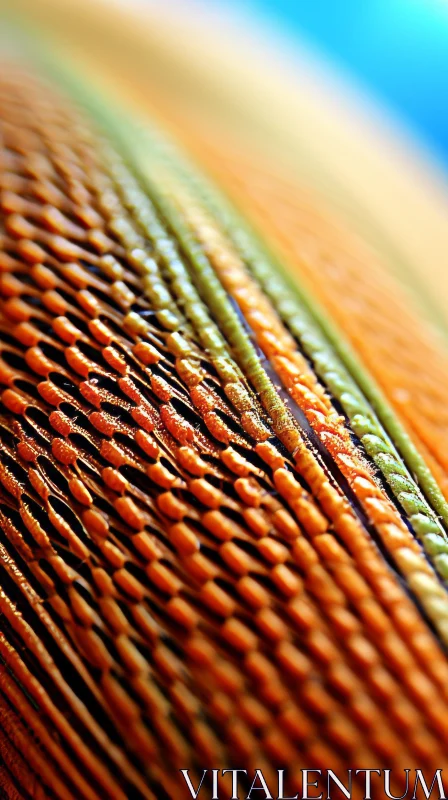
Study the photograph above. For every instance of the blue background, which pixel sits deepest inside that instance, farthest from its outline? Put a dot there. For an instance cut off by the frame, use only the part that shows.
(397, 49)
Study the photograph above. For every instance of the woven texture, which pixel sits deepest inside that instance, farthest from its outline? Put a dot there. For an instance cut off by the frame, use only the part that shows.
(407, 358)
(200, 561)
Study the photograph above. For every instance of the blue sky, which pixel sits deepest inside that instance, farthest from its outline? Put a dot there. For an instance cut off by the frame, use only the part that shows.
(397, 49)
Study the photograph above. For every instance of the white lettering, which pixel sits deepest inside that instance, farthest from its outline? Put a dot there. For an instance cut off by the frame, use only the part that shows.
(189, 783)
(281, 787)
(215, 784)
(437, 777)
(234, 780)
(263, 788)
(307, 785)
(368, 787)
(387, 785)
(331, 776)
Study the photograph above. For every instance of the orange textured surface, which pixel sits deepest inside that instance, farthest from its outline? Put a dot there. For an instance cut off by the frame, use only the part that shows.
(178, 587)
(404, 354)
